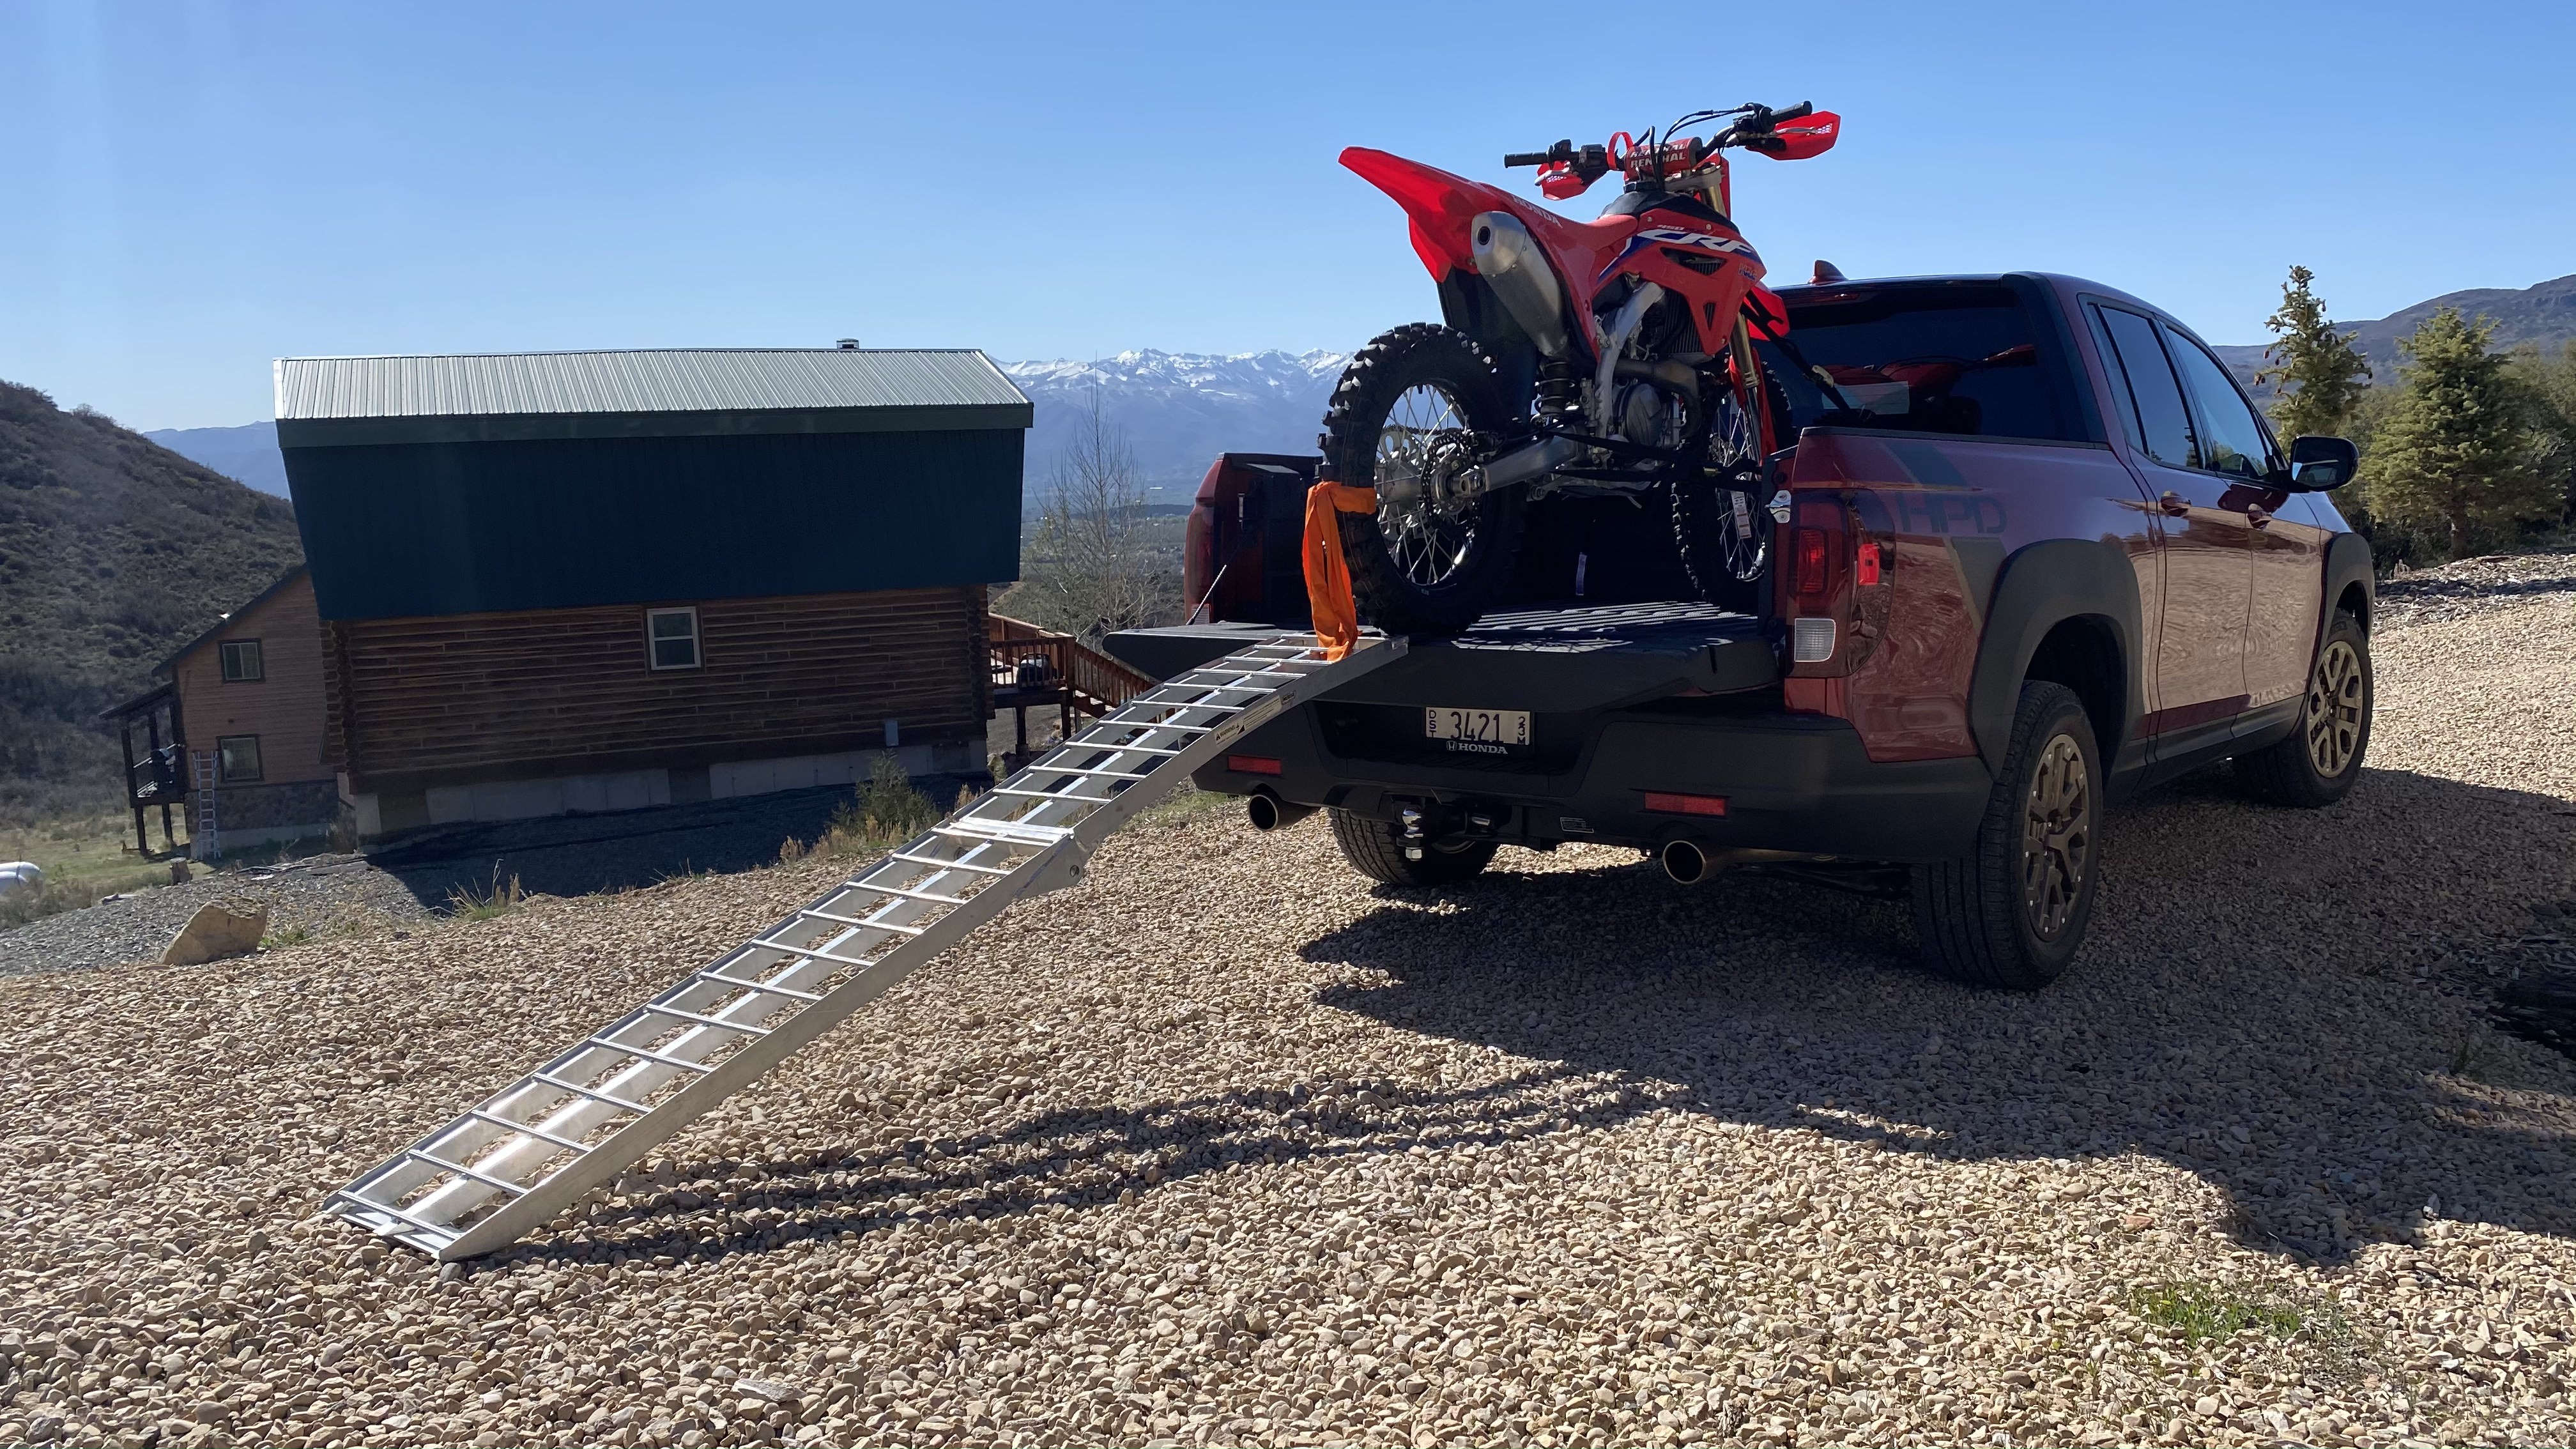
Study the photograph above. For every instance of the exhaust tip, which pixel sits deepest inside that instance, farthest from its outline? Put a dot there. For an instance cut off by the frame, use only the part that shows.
(1268, 812)
(1684, 861)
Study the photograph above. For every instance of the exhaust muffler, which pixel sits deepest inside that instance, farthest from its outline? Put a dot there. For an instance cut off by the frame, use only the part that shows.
(1513, 264)
(1687, 861)
(1268, 813)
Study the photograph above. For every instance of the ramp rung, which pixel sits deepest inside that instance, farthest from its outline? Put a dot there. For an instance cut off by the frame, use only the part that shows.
(909, 895)
(1053, 795)
(538, 1133)
(949, 864)
(461, 1170)
(647, 1053)
(712, 974)
(528, 1172)
(717, 1022)
(619, 1102)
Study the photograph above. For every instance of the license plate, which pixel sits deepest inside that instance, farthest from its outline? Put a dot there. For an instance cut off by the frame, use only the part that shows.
(1478, 731)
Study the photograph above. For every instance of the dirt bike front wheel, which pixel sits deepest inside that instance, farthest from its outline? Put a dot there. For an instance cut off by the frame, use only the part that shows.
(1724, 533)
(1404, 420)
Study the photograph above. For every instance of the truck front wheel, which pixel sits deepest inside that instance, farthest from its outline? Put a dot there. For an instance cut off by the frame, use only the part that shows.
(2013, 910)
(2318, 762)
(1375, 848)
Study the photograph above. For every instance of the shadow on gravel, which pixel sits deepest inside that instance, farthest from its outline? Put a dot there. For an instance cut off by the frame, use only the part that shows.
(575, 855)
(2247, 1011)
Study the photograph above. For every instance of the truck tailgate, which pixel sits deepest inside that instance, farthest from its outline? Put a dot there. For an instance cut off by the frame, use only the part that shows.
(1546, 660)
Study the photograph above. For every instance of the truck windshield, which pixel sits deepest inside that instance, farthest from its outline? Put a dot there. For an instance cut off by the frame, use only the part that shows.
(1933, 357)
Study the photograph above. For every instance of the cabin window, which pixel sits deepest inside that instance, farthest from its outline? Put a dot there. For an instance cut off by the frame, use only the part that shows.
(241, 662)
(672, 635)
(237, 758)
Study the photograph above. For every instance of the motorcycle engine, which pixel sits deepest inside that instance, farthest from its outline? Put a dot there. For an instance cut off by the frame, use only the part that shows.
(1650, 417)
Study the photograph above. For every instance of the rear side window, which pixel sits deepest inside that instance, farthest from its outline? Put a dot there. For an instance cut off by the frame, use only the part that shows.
(2158, 421)
(2236, 444)
(1961, 358)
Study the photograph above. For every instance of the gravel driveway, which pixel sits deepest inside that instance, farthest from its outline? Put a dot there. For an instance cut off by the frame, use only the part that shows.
(1227, 1145)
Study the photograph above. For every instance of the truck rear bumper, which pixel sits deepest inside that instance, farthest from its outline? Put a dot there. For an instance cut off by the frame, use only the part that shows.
(1798, 783)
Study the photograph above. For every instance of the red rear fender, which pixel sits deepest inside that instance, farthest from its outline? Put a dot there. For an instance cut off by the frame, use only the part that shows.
(1439, 205)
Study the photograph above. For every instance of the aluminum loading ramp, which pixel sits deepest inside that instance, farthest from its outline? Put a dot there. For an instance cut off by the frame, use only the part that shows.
(523, 1157)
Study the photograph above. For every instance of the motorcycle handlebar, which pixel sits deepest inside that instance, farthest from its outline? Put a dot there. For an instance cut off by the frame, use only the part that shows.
(1792, 113)
(1525, 158)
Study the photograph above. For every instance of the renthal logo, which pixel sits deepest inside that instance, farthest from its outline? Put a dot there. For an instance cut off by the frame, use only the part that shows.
(1676, 236)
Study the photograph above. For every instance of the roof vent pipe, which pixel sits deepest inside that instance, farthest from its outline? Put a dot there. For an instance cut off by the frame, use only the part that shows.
(848, 344)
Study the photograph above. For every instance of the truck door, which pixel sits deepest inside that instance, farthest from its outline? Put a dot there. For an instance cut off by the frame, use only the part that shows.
(2202, 533)
(2288, 551)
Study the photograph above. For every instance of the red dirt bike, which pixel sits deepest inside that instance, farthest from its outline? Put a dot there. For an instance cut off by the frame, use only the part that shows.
(1606, 357)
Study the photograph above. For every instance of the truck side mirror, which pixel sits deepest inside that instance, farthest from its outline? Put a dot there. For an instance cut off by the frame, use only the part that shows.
(2317, 464)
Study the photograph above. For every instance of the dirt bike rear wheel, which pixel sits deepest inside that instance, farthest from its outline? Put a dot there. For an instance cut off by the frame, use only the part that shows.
(1408, 408)
(1724, 534)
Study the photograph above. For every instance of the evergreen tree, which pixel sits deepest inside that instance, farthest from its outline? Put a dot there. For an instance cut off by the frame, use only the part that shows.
(2317, 374)
(2453, 456)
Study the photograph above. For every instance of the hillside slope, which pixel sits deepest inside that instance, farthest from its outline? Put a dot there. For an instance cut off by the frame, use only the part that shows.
(2541, 316)
(113, 552)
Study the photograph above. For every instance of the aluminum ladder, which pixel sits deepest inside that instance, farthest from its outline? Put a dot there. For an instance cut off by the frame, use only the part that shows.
(519, 1159)
(203, 841)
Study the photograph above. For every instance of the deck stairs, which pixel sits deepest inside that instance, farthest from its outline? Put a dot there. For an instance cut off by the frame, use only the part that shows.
(525, 1156)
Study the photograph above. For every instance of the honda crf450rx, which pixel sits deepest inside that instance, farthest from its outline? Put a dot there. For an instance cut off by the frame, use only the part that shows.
(1611, 356)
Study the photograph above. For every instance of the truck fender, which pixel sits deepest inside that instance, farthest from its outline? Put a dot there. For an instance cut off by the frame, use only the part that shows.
(2042, 586)
(2348, 564)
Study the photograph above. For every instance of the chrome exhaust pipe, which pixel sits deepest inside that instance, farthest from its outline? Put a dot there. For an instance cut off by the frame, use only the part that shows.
(1511, 261)
(1268, 813)
(1687, 862)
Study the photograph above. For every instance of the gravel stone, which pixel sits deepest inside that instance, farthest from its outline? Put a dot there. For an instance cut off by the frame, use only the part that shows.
(315, 894)
(1229, 1146)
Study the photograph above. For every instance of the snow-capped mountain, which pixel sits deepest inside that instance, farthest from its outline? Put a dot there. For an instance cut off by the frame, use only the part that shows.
(1178, 410)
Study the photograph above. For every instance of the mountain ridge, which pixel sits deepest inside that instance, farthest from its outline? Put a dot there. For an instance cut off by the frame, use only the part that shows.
(1179, 410)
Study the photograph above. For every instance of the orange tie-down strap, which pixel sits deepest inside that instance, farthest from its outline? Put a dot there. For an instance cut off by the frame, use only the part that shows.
(1328, 575)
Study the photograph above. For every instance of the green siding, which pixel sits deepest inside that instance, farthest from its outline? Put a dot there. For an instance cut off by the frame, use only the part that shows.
(401, 531)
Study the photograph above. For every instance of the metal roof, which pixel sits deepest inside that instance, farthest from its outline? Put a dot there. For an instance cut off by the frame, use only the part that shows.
(327, 400)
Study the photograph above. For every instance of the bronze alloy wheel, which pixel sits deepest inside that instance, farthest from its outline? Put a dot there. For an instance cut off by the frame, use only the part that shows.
(2336, 699)
(2057, 838)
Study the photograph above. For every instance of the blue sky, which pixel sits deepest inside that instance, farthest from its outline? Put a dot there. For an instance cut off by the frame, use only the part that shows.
(188, 191)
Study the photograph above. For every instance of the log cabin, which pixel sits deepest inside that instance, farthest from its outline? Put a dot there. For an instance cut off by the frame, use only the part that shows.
(559, 582)
(233, 732)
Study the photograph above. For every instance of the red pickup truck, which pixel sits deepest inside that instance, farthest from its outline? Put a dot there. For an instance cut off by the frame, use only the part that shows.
(2065, 562)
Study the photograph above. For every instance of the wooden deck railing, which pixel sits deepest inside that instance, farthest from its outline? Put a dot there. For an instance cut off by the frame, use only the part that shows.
(1098, 683)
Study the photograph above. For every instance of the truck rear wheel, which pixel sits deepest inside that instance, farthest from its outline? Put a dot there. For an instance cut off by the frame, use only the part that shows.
(2317, 762)
(2012, 911)
(1375, 848)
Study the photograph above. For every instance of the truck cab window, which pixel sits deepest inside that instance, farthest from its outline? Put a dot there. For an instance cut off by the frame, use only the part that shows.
(2237, 444)
(1929, 357)
(2154, 405)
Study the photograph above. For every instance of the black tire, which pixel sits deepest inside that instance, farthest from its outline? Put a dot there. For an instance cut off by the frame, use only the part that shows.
(1375, 848)
(1704, 519)
(1421, 355)
(2318, 761)
(1977, 920)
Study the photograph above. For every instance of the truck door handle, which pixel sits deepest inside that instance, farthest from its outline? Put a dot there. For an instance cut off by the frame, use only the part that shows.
(2174, 504)
(2255, 515)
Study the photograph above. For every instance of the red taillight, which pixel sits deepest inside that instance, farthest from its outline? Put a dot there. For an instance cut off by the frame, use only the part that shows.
(1666, 803)
(1866, 571)
(1252, 764)
(1813, 551)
